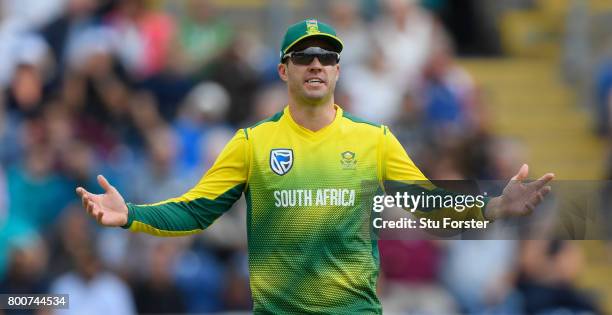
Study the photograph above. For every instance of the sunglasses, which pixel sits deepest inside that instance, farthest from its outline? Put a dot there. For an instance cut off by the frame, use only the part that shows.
(306, 56)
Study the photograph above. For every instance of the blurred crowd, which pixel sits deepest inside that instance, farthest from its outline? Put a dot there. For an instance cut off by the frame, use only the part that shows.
(148, 93)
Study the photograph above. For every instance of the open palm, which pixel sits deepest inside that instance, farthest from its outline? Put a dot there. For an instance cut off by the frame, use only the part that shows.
(109, 208)
(518, 198)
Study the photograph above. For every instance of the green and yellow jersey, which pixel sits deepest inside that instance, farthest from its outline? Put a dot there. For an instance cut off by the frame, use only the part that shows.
(309, 242)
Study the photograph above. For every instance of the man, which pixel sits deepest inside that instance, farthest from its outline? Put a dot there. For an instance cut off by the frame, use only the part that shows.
(301, 172)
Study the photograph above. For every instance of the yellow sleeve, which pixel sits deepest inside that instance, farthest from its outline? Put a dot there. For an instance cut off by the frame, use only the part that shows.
(397, 165)
(229, 170)
(399, 173)
(198, 208)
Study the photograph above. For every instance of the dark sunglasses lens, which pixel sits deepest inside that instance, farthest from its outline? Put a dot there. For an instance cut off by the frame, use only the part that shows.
(302, 59)
(328, 59)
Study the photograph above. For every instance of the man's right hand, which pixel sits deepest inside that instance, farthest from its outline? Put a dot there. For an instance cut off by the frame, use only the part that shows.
(109, 208)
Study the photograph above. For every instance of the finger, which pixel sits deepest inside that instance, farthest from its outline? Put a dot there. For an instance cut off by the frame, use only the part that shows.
(85, 202)
(529, 208)
(81, 191)
(537, 199)
(522, 173)
(90, 208)
(95, 211)
(99, 216)
(89, 204)
(545, 190)
(104, 183)
(84, 194)
(538, 184)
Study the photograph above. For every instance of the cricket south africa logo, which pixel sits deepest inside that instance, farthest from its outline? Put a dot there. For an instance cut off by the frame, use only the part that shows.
(281, 160)
(348, 160)
(312, 27)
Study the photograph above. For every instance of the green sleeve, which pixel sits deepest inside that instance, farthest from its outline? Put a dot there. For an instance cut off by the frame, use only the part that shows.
(216, 192)
(180, 218)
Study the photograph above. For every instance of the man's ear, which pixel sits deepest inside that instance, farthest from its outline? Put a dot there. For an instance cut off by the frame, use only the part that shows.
(337, 72)
(282, 71)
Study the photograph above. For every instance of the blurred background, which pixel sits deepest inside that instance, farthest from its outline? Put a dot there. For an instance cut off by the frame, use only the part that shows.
(148, 93)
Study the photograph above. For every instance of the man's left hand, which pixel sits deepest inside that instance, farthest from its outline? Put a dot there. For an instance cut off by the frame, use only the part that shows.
(518, 198)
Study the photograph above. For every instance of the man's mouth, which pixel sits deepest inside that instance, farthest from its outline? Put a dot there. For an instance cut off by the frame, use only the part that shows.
(314, 82)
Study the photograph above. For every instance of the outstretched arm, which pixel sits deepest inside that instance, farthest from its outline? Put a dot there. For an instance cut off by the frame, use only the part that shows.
(400, 174)
(517, 199)
(190, 213)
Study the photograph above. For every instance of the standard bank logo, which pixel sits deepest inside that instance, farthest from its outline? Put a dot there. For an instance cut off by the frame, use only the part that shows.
(281, 160)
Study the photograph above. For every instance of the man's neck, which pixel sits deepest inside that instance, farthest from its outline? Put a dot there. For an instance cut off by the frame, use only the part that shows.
(313, 117)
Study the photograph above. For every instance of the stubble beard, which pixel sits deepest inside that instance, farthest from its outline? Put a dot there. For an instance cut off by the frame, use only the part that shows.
(314, 98)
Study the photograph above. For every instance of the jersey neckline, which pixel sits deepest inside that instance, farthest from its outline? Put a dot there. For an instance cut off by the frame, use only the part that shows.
(314, 135)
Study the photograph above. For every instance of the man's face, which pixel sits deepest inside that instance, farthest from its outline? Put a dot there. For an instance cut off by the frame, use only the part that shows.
(312, 84)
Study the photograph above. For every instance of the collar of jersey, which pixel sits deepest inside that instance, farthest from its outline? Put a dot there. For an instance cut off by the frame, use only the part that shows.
(314, 135)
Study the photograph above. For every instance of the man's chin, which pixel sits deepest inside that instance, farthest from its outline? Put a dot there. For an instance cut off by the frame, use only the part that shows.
(316, 96)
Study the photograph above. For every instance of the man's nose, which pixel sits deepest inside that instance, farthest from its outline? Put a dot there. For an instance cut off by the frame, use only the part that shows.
(315, 64)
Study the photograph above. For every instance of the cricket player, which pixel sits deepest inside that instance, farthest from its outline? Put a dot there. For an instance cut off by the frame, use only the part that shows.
(301, 172)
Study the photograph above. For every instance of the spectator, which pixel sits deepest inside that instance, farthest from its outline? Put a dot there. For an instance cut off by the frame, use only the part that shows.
(94, 95)
(409, 127)
(157, 177)
(26, 68)
(91, 289)
(60, 34)
(448, 94)
(199, 276)
(145, 36)
(372, 93)
(268, 101)
(482, 286)
(237, 295)
(405, 32)
(156, 292)
(32, 14)
(352, 29)
(233, 70)
(71, 234)
(26, 269)
(202, 36)
(549, 271)
(203, 111)
(410, 272)
(36, 177)
(20, 47)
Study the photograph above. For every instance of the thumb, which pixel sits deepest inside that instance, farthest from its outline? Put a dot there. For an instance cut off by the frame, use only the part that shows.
(104, 183)
(522, 173)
